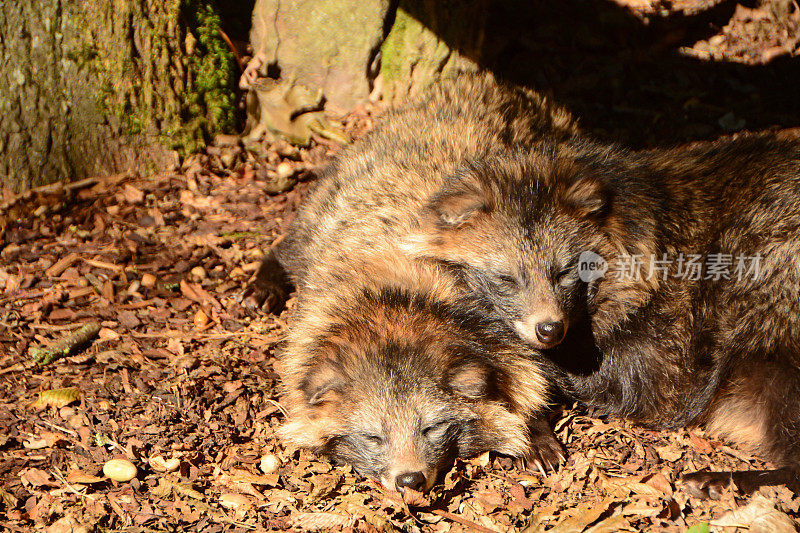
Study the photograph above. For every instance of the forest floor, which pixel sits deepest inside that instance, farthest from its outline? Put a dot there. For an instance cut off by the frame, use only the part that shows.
(178, 379)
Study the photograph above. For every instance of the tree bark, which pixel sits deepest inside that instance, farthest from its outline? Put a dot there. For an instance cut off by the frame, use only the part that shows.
(91, 87)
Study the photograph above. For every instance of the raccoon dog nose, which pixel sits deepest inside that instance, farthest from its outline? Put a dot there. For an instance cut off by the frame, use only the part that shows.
(550, 333)
(412, 480)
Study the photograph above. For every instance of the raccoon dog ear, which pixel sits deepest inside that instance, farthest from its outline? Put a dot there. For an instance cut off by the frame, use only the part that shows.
(323, 383)
(584, 193)
(470, 380)
(458, 205)
(460, 200)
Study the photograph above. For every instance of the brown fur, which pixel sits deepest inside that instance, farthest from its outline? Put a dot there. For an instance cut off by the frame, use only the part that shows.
(669, 350)
(394, 373)
(371, 193)
(361, 303)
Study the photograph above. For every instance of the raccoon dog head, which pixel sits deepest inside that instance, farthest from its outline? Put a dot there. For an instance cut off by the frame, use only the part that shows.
(513, 227)
(398, 387)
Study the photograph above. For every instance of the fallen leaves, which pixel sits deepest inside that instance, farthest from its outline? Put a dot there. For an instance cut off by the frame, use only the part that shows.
(321, 521)
(57, 397)
(758, 516)
(184, 386)
(45, 439)
(36, 477)
(415, 498)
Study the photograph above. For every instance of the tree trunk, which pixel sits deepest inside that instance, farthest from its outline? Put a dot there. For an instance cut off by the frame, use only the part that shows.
(105, 86)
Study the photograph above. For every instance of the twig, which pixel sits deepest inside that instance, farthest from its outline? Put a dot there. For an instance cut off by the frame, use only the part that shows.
(191, 336)
(463, 521)
(234, 51)
(69, 486)
(50, 189)
(278, 405)
(65, 430)
(444, 514)
(16, 367)
(54, 327)
(64, 346)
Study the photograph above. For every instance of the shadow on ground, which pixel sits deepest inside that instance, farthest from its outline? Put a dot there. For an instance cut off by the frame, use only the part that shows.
(628, 76)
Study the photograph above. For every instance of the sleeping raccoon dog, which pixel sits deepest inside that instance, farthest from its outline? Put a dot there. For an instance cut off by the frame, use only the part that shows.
(373, 191)
(390, 367)
(604, 237)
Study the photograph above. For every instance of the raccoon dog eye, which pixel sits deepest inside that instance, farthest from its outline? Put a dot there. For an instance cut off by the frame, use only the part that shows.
(435, 431)
(375, 440)
(564, 279)
(508, 282)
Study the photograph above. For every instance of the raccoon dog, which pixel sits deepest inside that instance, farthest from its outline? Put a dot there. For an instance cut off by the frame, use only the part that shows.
(684, 264)
(371, 194)
(389, 368)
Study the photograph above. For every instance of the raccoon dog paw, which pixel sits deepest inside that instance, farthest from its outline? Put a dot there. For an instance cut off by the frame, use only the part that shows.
(258, 297)
(706, 485)
(712, 485)
(546, 453)
(270, 290)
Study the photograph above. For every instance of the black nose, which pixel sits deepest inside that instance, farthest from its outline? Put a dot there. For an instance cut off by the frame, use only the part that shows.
(412, 480)
(550, 333)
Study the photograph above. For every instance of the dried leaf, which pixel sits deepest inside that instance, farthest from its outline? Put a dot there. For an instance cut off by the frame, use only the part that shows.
(322, 485)
(760, 516)
(320, 521)
(35, 443)
(491, 500)
(669, 453)
(66, 524)
(36, 477)
(700, 444)
(612, 524)
(482, 460)
(642, 507)
(57, 397)
(78, 476)
(415, 498)
(231, 500)
(582, 516)
(243, 476)
(661, 483)
(166, 486)
(132, 195)
(107, 334)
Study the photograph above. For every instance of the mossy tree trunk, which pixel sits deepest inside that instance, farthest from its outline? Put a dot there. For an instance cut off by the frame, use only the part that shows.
(103, 86)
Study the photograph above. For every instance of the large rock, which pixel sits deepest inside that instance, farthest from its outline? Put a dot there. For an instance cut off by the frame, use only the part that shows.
(325, 44)
(430, 40)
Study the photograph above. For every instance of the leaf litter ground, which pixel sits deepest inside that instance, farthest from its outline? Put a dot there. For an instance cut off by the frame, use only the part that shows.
(176, 378)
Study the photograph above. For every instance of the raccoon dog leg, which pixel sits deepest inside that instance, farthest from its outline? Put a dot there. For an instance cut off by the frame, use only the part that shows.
(759, 408)
(271, 287)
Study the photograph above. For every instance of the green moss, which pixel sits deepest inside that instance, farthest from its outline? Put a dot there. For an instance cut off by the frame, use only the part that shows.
(209, 103)
(393, 55)
(233, 235)
(184, 94)
(428, 41)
